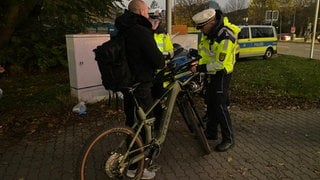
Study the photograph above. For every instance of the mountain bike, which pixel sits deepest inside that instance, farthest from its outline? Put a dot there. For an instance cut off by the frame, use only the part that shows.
(108, 154)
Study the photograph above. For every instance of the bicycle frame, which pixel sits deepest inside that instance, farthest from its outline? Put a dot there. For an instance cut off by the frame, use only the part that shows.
(169, 97)
(171, 94)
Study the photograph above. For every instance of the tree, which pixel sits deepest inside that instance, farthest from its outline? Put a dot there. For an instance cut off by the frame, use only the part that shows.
(296, 13)
(237, 11)
(12, 14)
(185, 9)
(258, 8)
(235, 5)
(32, 32)
(303, 15)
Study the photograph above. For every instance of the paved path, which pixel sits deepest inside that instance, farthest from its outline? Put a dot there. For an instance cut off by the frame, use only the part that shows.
(299, 49)
(270, 144)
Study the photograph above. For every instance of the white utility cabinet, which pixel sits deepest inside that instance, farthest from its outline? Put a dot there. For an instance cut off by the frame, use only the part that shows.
(84, 74)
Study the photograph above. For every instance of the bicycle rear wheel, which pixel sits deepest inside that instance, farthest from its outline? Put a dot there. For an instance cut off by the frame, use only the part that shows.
(185, 115)
(102, 155)
(193, 121)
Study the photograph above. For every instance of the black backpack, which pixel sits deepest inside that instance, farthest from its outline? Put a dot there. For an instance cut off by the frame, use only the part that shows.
(113, 64)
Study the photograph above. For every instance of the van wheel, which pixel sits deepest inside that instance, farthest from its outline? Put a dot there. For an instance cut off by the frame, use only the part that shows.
(268, 54)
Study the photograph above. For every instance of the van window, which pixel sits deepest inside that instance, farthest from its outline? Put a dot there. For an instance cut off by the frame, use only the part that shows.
(259, 32)
(244, 33)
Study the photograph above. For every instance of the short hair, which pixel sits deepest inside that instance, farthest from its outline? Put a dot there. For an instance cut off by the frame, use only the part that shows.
(136, 5)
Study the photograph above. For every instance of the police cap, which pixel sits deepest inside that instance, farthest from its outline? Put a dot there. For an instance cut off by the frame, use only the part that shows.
(204, 17)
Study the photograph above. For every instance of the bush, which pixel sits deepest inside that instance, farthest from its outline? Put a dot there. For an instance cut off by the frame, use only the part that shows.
(34, 51)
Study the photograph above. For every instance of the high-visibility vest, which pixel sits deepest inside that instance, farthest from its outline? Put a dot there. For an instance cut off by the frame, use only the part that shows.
(164, 43)
(220, 54)
(165, 46)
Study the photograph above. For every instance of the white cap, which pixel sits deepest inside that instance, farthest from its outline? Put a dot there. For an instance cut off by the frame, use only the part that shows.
(204, 17)
(155, 13)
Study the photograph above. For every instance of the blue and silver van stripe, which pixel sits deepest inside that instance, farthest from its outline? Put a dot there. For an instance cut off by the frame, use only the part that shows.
(256, 44)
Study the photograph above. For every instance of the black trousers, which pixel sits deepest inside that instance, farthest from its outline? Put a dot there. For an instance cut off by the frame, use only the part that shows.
(144, 97)
(217, 111)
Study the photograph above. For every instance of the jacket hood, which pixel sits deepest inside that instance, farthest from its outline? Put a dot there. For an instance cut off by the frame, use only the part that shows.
(129, 19)
(224, 21)
(236, 29)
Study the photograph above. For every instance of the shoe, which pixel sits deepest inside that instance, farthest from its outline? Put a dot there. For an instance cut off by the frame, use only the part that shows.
(210, 137)
(224, 146)
(146, 174)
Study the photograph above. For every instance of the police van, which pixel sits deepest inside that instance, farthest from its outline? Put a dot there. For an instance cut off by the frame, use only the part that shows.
(257, 40)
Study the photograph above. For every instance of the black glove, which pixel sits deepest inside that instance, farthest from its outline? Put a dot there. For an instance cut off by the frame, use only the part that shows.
(193, 53)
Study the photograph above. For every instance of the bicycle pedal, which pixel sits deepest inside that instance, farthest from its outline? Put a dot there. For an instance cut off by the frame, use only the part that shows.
(154, 168)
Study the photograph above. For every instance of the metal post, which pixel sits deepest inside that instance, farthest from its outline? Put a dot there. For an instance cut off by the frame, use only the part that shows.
(169, 15)
(294, 17)
(280, 28)
(314, 30)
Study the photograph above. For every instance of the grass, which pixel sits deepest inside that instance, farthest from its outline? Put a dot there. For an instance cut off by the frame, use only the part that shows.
(283, 75)
(282, 78)
(48, 92)
(32, 102)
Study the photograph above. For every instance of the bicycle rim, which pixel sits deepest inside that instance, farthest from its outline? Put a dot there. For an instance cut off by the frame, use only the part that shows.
(196, 125)
(103, 152)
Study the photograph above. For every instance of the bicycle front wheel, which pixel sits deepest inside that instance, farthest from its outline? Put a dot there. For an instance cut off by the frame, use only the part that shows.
(104, 157)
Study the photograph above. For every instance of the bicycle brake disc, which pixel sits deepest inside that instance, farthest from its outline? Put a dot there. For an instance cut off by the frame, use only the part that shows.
(112, 165)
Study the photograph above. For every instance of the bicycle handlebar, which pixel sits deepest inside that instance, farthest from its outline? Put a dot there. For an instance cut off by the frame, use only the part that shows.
(179, 66)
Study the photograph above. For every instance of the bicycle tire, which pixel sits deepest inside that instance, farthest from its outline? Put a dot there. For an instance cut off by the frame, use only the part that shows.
(184, 115)
(195, 123)
(101, 155)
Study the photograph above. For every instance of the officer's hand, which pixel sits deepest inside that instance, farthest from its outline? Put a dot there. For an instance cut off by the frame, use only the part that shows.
(193, 67)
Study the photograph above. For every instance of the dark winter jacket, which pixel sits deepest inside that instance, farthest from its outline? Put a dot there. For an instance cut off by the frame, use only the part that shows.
(142, 51)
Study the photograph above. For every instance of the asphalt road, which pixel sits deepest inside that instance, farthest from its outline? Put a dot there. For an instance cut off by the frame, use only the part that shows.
(299, 49)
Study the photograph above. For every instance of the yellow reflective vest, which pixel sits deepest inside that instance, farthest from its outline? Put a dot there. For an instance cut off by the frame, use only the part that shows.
(165, 46)
(164, 43)
(221, 53)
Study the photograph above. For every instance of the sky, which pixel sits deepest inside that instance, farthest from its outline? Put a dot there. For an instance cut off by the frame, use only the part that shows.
(162, 3)
(222, 3)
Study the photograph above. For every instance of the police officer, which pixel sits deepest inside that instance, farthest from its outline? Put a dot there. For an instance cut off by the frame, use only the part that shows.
(217, 48)
(161, 37)
(164, 43)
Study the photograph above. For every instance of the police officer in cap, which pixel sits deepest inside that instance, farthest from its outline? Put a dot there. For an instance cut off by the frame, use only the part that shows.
(161, 37)
(217, 48)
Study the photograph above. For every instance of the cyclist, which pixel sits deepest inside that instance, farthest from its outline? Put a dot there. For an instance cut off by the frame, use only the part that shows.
(217, 48)
(144, 58)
